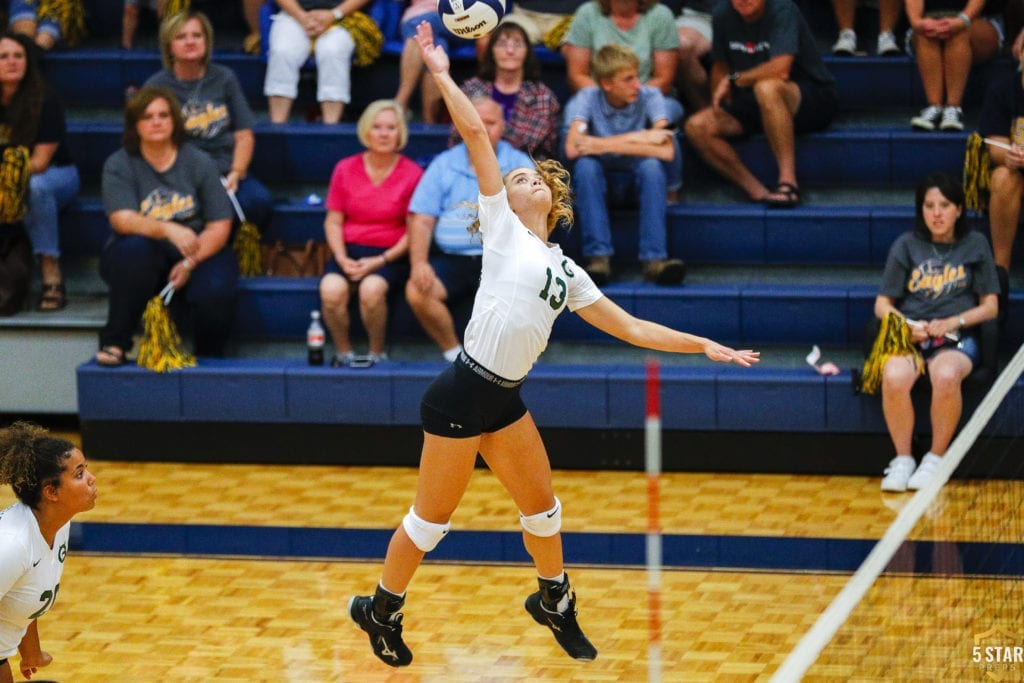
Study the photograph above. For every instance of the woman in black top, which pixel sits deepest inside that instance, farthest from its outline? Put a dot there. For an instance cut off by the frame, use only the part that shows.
(31, 115)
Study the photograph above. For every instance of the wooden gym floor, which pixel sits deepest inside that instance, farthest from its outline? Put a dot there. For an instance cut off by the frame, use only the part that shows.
(271, 616)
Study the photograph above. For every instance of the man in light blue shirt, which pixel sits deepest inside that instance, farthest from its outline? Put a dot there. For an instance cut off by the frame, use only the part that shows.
(618, 141)
(442, 209)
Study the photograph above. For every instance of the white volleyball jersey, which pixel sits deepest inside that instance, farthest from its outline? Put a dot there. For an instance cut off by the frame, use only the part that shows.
(525, 283)
(30, 572)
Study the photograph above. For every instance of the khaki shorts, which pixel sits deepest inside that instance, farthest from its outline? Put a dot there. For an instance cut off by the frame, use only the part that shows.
(696, 21)
(536, 24)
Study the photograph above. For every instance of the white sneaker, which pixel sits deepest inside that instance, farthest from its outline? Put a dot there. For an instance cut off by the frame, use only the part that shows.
(928, 119)
(887, 46)
(952, 119)
(846, 45)
(898, 473)
(923, 474)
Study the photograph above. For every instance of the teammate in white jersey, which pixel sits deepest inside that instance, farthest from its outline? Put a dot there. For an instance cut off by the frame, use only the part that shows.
(52, 482)
(474, 405)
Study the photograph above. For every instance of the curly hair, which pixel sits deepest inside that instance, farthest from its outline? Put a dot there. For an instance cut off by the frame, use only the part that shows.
(31, 459)
(556, 177)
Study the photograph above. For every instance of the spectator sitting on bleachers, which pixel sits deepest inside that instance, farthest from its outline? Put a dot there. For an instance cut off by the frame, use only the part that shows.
(171, 220)
(410, 66)
(217, 115)
(647, 27)
(509, 73)
(32, 115)
(846, 13)
(164, 8)
(941, 276)
(130, 18)
(617, 137)
(767, 75)
(1002, 119)
(693, 26)
(443, 254)
(47, 22)
(947, 37)
(299, 26)
(365, 228)
(545, 21)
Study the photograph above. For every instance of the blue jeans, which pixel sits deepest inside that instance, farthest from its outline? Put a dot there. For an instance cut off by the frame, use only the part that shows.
(28, 10)
(611, 179)
(49, 192)
(442, 37)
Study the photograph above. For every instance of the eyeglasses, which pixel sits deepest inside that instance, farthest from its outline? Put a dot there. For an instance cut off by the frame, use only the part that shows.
(510, 44)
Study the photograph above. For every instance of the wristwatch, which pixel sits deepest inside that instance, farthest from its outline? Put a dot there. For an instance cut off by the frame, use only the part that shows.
(733, 77)
(337, 14)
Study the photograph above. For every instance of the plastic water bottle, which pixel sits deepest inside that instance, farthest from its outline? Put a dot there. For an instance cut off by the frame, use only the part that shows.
(315, 339)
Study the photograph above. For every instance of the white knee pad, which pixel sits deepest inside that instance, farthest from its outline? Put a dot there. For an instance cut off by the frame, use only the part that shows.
(543, 524)
(425, 535)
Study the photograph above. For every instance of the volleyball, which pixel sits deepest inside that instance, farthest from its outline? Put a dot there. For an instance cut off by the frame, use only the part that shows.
(471, 19)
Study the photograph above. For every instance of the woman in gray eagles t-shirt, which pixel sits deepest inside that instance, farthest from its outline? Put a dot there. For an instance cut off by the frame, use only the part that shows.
(218, 118)
(171, 219)
(942, 279)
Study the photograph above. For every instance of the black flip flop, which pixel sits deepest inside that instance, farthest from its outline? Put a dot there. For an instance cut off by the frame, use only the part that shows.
(113, 352)
(790, 197)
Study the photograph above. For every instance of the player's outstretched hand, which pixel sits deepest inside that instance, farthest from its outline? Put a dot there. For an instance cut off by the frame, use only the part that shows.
(724, 354)
(434, 57)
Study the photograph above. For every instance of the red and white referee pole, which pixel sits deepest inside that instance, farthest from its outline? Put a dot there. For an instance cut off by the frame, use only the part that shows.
(652, 463)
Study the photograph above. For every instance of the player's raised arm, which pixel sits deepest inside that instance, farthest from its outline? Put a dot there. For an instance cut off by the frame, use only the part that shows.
(608, 317)
(463, 113)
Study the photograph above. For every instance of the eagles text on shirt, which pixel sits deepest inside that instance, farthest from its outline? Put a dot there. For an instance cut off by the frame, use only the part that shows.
(933, 281)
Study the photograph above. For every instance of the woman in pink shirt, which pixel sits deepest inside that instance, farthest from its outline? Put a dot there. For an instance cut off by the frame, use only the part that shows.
(367, 209)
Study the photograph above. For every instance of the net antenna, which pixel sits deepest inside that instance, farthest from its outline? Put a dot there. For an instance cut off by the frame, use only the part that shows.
(818, 637)
(652, 465)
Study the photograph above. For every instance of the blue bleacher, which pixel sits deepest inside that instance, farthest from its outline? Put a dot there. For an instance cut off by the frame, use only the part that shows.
(809, 235)
(765, 312)
(874, 157)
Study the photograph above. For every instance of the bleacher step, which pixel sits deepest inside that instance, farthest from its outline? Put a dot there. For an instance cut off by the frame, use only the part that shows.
(307, 153)
(709, 398)
(701, 230)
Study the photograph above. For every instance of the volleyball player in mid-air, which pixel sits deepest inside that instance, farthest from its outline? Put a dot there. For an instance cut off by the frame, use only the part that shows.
(474, 405)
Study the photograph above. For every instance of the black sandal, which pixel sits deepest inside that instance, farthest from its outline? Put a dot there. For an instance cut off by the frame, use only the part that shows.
(54, 297)
(110, 356)
(790, 197)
